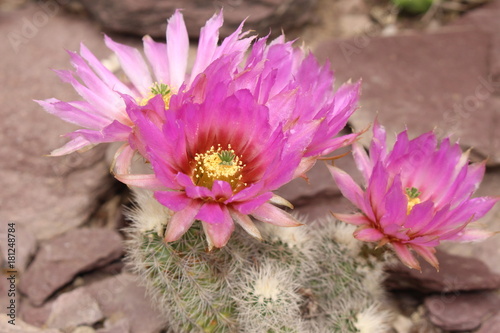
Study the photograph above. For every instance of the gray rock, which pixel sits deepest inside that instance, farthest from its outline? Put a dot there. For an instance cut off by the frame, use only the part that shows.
(418, 81)
(74, 308)
(48, 195)
(121, 295)
(62, 258)
(456, 273)
(21, 327)
(461, 311)
(149, 17)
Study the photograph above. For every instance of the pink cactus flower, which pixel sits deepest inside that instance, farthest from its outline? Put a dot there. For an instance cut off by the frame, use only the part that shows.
(102, 112)
(416, 195)
(216, 160)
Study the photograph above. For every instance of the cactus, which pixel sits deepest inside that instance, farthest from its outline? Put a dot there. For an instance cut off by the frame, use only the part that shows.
(313, 278)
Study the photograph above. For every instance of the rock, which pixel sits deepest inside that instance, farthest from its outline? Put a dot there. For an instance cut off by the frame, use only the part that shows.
(122, 325)
(47, 195)
(455, 274)
(62, 258)
(84, 329)
(150, 17)
(485, 18)
(491, 325)
(319, 183)
(417, 81)
(74, 308)
(121, 295)
(461, 312)
(24, 245)
(21, 327)
(36, 316)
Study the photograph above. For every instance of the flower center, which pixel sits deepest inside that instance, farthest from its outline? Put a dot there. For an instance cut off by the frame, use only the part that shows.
(218, 164)
(158, 89)
(412, 194)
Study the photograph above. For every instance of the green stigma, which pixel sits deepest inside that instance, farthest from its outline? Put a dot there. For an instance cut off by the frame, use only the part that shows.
(226, 157)
(412, 193)
(160, 89)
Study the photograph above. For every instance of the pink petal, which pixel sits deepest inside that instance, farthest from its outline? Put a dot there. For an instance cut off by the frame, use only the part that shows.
(173, 200)
(221, 190)
(218, 234)
(181, 221)
(250, 205)
(133, 65)
(177, 49)
(405, 256)
(347, 186)
(271, 214)
(368, 235)
(471, 235)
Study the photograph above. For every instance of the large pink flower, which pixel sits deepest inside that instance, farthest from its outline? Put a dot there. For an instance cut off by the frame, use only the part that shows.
(416, 195)
(102, 112)
(217, 157)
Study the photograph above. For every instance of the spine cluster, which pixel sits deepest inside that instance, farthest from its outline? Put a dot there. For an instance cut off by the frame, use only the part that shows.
(304, 279)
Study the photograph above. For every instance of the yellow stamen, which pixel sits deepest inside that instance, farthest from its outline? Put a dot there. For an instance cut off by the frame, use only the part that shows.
(218, 164)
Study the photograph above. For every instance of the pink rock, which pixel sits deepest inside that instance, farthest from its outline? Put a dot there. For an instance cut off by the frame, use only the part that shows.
(73, 309)
(121, 294)
(491, 325)
(461, 311)
(62, 258)
(456, 273)
(419, 81)
(47, 195)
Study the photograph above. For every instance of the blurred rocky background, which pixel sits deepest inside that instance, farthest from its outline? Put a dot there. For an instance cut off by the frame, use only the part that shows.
(424, 69)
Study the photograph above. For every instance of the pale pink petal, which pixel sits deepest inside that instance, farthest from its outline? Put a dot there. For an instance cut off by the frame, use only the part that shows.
(356, 219)
(277, 200)
(471, 235)
(427, 253)
(209, 36)
(156, 54)
(181, 221)
(105, 74)
(147, 181)
(363, 162)
(133, 65)
(75, 144)
(122, 159)
(246, 223)
(271, 214)
(72, 114)
(177, 49)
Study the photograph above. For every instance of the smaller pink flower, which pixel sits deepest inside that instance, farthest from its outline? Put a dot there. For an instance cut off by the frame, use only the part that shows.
(416, 195)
